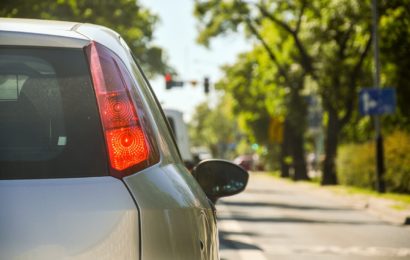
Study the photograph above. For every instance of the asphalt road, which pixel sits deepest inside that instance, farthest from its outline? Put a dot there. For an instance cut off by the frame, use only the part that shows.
(277, 220)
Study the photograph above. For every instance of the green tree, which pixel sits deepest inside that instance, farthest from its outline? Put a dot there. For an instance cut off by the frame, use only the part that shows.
(128, 17)
(342, 40)
(218, 17)
(332, 47)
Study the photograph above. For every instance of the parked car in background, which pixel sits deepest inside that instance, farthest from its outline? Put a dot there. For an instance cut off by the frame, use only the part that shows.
(249, 162)
(245, 161)
(88, 166)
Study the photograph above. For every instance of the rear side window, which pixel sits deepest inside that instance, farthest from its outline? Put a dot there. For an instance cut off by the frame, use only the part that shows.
(49, 126)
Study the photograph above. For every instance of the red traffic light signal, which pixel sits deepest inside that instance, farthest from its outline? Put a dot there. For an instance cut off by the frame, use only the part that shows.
(170, 83)
(168, 77)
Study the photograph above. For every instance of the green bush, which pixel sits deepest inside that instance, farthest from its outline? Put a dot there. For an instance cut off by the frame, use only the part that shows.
(397, 160)
(356, 163)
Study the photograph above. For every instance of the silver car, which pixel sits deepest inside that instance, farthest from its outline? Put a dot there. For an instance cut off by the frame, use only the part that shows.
(88, 167)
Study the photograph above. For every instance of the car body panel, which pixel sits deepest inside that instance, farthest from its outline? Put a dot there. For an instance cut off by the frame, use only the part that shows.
(28, 32)
(81, 218)
(104, 36)
(171, 200)
(36, 26)
(40, 40)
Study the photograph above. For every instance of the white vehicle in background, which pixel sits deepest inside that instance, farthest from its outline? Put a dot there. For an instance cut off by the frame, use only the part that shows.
(180, 131)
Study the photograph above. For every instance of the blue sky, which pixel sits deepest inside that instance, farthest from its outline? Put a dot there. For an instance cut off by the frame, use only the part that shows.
(176, 34)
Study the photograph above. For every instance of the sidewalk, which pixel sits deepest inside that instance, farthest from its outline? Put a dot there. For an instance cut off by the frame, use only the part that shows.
(385, 209)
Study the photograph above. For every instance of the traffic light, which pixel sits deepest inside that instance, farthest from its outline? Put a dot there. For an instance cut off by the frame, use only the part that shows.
(170, 83)
(206, 85)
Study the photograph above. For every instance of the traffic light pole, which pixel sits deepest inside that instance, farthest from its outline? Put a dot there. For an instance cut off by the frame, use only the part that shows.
(381, 188)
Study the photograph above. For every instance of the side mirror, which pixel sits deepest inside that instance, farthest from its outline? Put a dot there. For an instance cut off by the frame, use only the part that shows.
(219, 178)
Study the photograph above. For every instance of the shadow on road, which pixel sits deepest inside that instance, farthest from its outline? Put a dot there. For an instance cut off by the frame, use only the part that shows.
(284, 206)
(282, 220)
(265, 191)
(229, 243)
(232, 233)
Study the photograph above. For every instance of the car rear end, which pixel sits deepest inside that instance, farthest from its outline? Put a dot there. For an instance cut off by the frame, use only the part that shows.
(88, 166)
(58, 196)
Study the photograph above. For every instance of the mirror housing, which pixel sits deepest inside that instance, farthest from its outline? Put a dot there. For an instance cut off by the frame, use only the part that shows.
(220, 178)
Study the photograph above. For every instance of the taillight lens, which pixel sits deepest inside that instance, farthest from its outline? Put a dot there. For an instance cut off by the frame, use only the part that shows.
(126, 134)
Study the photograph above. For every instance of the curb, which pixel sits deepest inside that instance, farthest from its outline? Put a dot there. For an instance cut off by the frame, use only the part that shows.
(383, 209)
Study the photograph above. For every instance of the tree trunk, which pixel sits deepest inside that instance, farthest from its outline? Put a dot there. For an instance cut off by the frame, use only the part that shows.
(285, 151)
(299, 160)
(297, 117)
(332, 132)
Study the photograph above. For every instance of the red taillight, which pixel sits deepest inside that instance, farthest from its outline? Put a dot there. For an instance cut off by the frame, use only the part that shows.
(127, 143)
(126, 147)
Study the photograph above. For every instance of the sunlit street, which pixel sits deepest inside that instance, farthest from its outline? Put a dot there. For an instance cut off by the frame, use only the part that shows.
(277, 220)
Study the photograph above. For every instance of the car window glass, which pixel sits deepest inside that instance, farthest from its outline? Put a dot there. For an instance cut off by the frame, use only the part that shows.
(49, 121)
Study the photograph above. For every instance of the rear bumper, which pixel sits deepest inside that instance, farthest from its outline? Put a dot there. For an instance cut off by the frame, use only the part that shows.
(82, 218)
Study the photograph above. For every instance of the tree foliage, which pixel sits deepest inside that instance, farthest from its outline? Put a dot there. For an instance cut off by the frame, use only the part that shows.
(395, 53)
(129, 18)
(256, 97)
(343, 49)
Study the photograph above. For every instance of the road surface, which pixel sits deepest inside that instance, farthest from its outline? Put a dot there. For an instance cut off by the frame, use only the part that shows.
(277, 220)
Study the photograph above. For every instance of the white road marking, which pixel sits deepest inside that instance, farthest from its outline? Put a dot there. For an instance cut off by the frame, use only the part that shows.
(338, 250)
(233, 226)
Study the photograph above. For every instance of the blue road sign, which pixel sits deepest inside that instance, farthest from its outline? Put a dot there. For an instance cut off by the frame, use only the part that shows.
(377, 101)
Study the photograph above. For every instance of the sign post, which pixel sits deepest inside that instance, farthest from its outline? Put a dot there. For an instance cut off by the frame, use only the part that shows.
(376, 102)
(379, 138)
